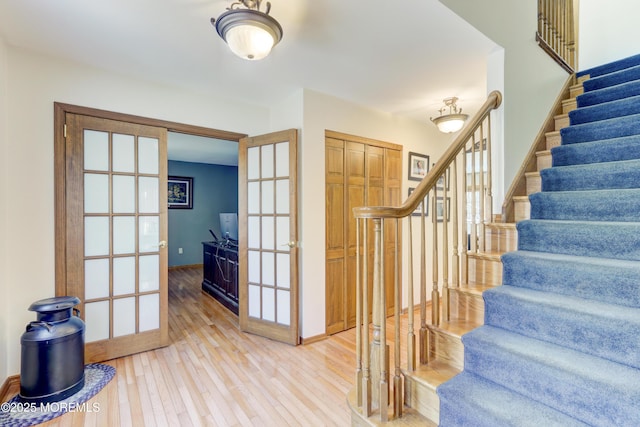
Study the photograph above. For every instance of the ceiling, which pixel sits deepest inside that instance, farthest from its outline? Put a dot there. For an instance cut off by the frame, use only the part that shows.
(402, 58)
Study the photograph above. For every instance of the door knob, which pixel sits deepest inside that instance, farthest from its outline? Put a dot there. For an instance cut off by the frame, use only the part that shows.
(162, 244)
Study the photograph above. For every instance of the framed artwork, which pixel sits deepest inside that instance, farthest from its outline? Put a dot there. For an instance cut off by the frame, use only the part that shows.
(418, 166)
(424, 202)
(180, 192)
(440, 209)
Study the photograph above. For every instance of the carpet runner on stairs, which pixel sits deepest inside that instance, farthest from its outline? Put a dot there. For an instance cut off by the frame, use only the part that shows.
(560, 344)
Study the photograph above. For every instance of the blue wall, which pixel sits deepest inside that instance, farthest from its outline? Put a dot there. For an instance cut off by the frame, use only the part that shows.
(215, 190)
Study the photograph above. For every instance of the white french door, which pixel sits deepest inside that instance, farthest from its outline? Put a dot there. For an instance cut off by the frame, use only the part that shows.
(268, 277)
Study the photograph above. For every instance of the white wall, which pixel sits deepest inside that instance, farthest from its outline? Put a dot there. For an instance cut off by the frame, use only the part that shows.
(26, 141)
(4, 225)
(323, 112)
(532, 80)
(608, 31)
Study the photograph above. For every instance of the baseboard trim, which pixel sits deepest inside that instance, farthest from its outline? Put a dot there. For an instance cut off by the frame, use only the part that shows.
(10, 386)
(177, 267)
(311, 340)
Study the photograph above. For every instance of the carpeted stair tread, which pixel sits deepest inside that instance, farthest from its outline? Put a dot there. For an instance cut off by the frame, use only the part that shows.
(607, 94)
(610, 150)
(602, 129)
(561, 334)
(605, 110)
(470, 400)
(610, 67)
(579, 276)
(612, 78)
(617, 240)
(590, 205)
(592, 389)
(592, 176)
(592, 327)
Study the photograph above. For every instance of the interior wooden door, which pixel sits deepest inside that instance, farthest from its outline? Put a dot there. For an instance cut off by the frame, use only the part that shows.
(268, 228)
(115, 231)
(358, 172)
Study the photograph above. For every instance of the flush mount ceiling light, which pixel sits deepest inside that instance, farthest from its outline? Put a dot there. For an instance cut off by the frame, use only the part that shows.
(454, 120)
(249, 32)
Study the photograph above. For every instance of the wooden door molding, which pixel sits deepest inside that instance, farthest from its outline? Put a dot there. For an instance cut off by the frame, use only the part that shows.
(60, 111)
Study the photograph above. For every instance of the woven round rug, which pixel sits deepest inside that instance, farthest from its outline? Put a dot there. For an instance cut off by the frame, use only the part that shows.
(17, 413)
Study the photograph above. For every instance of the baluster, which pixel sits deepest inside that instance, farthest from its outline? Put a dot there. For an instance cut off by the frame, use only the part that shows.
(423, 288)
(379, 322)
(474, 198)
(445, 248)
(483, 244)
(366, 372)
(465, 218)
(435, 295)
(489, 171)
(397, 379)
(411, 338)
(455, 261)
(358, 318)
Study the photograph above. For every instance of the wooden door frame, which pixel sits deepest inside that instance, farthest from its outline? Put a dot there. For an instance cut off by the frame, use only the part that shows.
(60, 111)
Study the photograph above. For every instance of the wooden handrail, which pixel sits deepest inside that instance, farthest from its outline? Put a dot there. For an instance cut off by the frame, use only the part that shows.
(441, 187)
(429, 181)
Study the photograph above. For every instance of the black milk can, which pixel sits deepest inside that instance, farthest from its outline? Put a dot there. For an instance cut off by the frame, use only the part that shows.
(52, 359)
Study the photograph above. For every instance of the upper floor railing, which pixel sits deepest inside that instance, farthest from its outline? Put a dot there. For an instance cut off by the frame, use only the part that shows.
(457, 191)
(557, 33)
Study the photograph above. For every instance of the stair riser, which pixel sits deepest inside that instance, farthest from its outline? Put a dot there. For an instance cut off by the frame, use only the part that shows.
(522, 210)
(467, 306)
(555, 386)
(501, 239)
(578, 328)
(601, 130)
(587, 206)
(608, 240)
(609, 94)
(528, 270)
(543, 160)
(485, 271)
(534, 183)
(421, 398)
(561, 121)
(446, 348)
(576, 90)
(609, 110)
(553, 139)
(612, 175)
(594, 152)
(569, 105)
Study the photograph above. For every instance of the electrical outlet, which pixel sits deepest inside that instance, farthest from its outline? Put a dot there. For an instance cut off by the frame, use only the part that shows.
(179, 251)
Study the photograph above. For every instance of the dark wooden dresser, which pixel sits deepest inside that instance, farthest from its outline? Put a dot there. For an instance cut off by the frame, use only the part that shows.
(220, 263)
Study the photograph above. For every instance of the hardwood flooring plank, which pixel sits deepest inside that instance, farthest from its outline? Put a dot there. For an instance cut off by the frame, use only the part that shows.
(212, 374)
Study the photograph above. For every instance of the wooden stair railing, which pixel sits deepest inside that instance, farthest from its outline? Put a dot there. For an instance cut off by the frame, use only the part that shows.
(461, 205)
(556, 33)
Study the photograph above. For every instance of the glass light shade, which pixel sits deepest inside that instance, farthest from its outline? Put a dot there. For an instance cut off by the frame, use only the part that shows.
(249, 42)
(250, 34)
(450, 123)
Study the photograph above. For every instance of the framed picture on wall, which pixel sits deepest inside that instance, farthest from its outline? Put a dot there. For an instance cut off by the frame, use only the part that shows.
(425, 201)
(418, 166)
(180, 192)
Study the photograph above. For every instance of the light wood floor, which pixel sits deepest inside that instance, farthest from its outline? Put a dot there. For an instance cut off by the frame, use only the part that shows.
(214, 375)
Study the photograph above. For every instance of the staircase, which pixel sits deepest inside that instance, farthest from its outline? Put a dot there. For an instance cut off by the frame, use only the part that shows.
(557, 344)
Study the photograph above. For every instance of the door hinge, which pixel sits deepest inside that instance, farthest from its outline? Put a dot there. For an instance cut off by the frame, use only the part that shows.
(64, 130)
